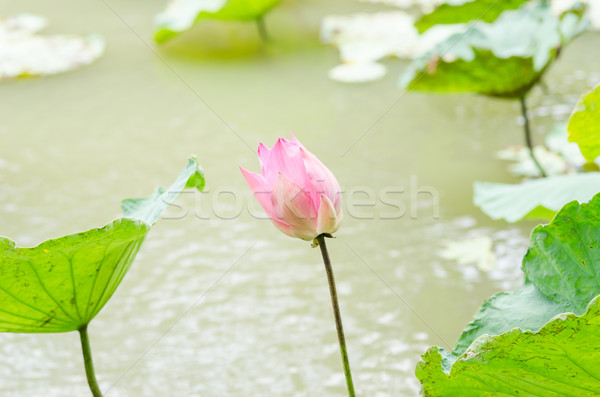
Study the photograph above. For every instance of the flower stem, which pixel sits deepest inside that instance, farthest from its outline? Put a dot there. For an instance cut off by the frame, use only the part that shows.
(336, 314)
(262, 29)
(528, 136)
(89, 364)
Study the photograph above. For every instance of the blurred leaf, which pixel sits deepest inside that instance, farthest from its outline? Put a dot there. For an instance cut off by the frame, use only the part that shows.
(181, 15)
(149, 208)
(513, 202)
(461, 11)
(422, 5)
(561, 359)
(63, 283)
(23, 53)
(503, 59)
(584, 125)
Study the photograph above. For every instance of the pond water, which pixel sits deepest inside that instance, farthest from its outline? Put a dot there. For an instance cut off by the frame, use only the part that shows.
(218, 302)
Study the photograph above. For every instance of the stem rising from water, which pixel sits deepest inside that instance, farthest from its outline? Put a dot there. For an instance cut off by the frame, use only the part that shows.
(89, 364)
(262, 29)
(528, 136)
(336, 313)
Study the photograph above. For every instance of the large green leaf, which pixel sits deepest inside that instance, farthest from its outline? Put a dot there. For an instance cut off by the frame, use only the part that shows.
(181, 15)
(584, 125)
(562, 267)
(526, 308)
(561, 359)
(563, 260)
(461, 11)
(63, 283)
(537, 198)
(503, 59)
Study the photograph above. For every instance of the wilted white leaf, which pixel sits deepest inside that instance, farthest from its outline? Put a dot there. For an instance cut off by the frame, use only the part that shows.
(357, 72)
(473, 251)
(558, 142)
(551, 162)
(593, 9)
(367, 38)
(23, 53)
(21, 25)
(558, 157)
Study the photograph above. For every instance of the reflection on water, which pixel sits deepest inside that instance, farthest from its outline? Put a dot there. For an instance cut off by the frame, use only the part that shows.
(231, 307)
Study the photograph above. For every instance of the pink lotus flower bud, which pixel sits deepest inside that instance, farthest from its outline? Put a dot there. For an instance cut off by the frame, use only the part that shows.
(298, 193)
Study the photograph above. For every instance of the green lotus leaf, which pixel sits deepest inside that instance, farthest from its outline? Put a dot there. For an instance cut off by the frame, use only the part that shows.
(584, 125)
(63, 283)
(563, 260)
(149, 208)
(461, 11)
(513, 346)
(526, 308)
(562, 268)
(537, 198)
(503, 59)
(561, 359)
(181, 15)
